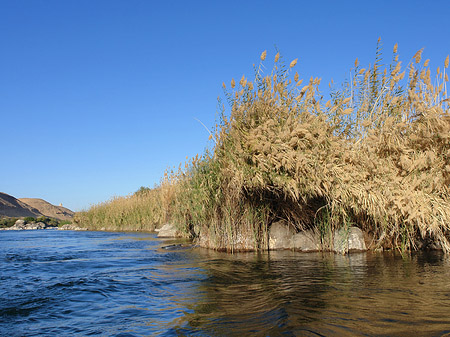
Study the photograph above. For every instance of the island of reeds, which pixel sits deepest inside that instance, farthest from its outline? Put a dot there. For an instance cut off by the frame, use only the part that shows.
(375, 154)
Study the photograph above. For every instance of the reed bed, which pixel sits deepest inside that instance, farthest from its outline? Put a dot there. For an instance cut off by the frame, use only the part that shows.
(141, 211)
(375, 155)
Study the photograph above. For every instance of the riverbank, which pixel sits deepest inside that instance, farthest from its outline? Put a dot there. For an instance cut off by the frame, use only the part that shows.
(21, 224)
(375, 156)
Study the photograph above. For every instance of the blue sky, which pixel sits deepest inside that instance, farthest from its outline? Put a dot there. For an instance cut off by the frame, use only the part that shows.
(98, 98)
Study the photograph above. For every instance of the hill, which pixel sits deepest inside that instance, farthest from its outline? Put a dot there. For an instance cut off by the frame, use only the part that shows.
(31, 207)
(48, 209)
(12, 207)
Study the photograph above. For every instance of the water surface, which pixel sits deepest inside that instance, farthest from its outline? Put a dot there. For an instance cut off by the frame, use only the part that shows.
(64, 283)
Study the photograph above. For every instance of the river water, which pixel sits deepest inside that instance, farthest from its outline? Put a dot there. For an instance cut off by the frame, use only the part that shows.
(64, 283)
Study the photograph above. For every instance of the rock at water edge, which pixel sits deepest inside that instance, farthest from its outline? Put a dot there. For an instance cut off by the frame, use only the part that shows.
(280, 236)
(20, 224)
(351, 239)
(71, 227)
(306, 241)
(168, 231)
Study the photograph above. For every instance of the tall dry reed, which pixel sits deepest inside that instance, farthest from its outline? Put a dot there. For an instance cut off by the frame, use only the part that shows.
(375, 155)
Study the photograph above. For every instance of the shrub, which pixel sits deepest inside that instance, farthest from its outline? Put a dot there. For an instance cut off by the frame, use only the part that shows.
(29, 219)
(48, 221)
(7, 222)
(142, 191)
(43, 219)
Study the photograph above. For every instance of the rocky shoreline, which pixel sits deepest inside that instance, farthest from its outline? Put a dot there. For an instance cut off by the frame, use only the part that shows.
(22, 225)
(280, 236)
(283, 237)
(70, 227)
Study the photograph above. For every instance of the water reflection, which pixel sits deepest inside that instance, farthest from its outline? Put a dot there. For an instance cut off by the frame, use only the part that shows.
(284, 293)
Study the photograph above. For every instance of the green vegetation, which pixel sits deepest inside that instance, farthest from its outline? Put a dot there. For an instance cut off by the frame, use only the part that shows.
(8, 222)
(375, 155)
(48, 221)
(29, 219)
(142, 191)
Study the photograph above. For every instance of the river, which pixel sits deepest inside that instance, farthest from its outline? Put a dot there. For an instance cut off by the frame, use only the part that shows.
(65, 283)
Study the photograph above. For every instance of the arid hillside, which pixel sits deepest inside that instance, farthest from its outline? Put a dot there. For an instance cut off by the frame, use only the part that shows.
(31, 207)
(12, 207)
(47, 209)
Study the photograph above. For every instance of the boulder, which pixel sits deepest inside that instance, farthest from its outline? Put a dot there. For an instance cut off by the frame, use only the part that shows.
(168, 231)
(306, 241)
(20, 224)
(347, 240)
(71, 227)
(280, 236)
(41, 225)
(356, 240)
(31, 225)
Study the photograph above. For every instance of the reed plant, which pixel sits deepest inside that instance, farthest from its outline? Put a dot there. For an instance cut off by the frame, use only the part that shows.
(143, 212)
(376, 154)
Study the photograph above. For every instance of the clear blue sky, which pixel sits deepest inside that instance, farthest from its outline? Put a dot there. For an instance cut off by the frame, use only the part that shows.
(98, 98)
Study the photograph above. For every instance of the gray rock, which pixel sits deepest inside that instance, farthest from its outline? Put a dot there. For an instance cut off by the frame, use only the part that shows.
(356, 240)
(280, 236)
(243, 242)
(71, 227)
(351, 239)
(31, 225)
(20, 224)
(41, 225)
(306, 241)
(168, 231)
(172, 247)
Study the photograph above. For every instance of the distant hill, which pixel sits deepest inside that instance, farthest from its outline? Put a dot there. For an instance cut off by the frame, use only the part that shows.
(47, 209)
(12, 207)
(24, 207)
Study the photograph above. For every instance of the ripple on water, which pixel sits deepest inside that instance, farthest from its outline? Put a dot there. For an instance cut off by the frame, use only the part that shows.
(115, 284)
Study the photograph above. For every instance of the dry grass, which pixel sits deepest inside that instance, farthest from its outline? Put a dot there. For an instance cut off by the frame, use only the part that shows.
(141, 211)
(376, 155)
